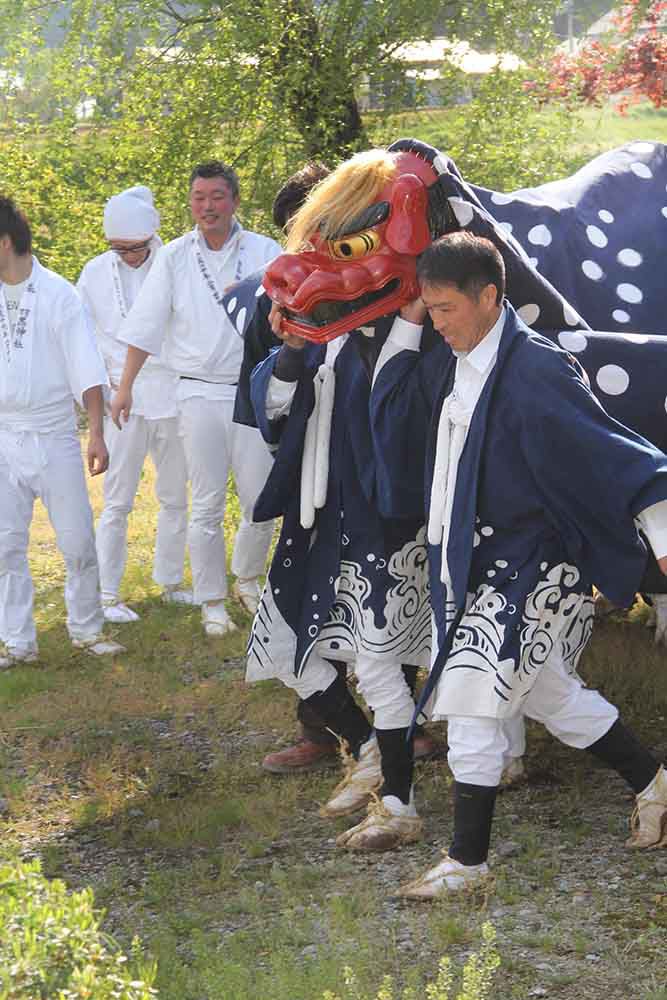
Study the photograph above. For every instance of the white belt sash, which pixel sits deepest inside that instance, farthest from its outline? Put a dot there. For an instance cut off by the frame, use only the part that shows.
(452, 433)
(317, 443)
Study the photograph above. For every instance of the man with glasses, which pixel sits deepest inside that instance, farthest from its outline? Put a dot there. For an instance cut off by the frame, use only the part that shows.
(109, 285)
(180, 307)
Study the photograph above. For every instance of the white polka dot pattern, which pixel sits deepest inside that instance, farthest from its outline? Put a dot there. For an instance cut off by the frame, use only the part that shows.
(539, 236)
(529, 313)
(613, 380)
(592, 270)
(596, 236)
(629, 257)
(572, 340)
(629, 293)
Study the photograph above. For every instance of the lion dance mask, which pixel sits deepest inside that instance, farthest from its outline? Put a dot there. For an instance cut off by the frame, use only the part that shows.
(356, 240)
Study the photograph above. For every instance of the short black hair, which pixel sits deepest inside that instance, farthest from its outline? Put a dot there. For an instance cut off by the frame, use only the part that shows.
(14, 224)
(216, 168)
(295, 190)
(467, 261)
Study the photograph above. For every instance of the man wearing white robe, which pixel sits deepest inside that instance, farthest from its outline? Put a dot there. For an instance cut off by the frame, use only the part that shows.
(179, 308)
(109, 285)
(48, 359)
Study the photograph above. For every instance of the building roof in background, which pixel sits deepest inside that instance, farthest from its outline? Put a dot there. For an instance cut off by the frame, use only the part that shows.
(469, 60)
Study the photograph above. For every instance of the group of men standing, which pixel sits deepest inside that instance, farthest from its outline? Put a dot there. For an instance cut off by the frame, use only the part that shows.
(350, 429)
(60, 344)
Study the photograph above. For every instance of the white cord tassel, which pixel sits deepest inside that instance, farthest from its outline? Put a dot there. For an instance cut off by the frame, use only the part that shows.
(452, 432)
(327, 379)
(317, 443)
(307, 508)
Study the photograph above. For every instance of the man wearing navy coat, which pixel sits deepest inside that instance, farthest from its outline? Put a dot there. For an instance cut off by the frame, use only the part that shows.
(534, 495)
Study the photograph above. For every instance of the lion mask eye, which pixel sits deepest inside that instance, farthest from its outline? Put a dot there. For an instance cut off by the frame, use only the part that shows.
(354, 246)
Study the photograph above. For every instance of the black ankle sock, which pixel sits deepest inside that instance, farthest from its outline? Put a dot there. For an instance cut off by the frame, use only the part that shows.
(619, 748)
(396, 754)
(340, 712)
(473, 816)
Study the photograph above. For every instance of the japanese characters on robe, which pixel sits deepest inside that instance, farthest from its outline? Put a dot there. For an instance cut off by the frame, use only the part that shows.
(180, 305)
(49, 360)
(546, 493)
(353, 580)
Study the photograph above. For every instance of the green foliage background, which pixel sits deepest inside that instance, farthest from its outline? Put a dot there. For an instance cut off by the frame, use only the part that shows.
(171, 85)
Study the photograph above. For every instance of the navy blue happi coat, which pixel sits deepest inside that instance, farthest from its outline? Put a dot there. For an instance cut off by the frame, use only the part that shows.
(547, 490)
(354, 582)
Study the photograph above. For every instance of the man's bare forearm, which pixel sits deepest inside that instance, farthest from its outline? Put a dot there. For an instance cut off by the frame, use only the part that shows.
(93, 402)
(133, 364)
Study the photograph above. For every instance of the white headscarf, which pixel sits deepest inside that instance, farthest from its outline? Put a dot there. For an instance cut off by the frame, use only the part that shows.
(131, 215)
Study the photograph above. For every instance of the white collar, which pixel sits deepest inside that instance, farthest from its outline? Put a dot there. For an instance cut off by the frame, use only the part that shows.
(235, 234)
(482, 356)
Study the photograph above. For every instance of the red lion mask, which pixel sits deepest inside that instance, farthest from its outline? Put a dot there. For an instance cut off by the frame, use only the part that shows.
(369, 269)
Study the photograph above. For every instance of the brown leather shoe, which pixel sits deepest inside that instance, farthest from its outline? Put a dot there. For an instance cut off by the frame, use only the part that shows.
(303, 756)
(426, 746)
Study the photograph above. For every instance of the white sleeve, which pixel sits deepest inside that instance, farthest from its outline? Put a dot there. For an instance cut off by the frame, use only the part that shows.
(83, 288)
(403, 336)
(653, 522)
(146, 323)
(279, 396)
(85, 367)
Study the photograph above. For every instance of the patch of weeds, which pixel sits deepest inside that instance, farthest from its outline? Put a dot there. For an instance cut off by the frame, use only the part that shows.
(446, 929)
(345, 912)
(295, 879)
(581, 942)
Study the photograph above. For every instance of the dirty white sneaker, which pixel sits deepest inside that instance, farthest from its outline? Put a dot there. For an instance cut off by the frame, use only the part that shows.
(389, 824)
(447, 876)
(99, 645)
(215, 619)
(248, 593)
(514, 773)
(648, 822)
(118, 613)
(173, 593)
(362, 779)
(10, 657)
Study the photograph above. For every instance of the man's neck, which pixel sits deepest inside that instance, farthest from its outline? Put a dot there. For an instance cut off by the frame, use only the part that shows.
(216, 240)
(17, 268)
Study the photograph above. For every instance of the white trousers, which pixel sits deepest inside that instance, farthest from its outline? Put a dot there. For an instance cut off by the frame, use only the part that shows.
(213, 446)
(480, 747)
(127, 452)
(47, 466)
(381, 682)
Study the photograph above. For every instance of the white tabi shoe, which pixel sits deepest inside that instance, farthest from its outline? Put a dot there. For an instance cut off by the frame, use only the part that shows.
(118, 613)
(99, 645)
(648, 822)
(389, 824)
(447, 876)
(248, 593)
(361, 782)
(13, 657)
(216, 621)
(514, 773)
(173, 593)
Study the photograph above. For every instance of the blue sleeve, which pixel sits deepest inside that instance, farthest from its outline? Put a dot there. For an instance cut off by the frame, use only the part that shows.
(594, 474)
(258, 342)
(286, 436)
(402, 403)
